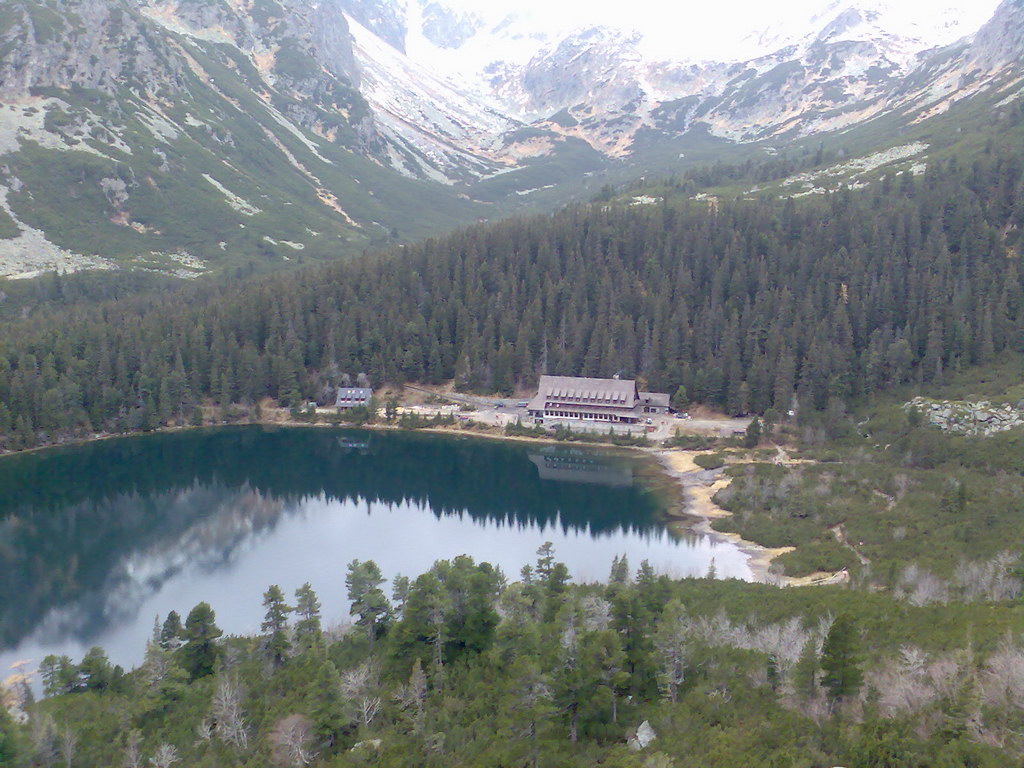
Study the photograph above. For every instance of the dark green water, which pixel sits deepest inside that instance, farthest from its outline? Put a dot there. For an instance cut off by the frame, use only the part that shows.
(96, 540)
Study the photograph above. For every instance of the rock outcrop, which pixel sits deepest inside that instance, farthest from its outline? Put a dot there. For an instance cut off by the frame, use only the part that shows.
(975, 419)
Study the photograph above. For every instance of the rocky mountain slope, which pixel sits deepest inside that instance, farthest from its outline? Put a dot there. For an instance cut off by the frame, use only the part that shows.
(190, 135)
(184, 134)
(610, 86)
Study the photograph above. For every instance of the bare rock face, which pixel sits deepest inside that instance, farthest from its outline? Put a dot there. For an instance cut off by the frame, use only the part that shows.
(849, 70)
(302, 48)
(1001, 40)
(446, 27)
(386, 19)
(156, 49)
(95, 44)
(353, 83)
(586, 68)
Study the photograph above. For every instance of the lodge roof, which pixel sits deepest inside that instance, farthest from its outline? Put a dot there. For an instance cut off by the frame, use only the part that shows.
(587, 389)
(582, 390)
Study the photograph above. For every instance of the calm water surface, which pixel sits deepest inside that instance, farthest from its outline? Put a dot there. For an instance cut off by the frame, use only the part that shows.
(96, 541)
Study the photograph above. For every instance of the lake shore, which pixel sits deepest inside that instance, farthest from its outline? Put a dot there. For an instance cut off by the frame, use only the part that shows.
(275, 419)
(692, 505)
(699, 510)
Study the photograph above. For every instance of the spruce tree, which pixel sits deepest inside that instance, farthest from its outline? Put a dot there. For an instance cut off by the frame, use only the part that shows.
(753, 434)
(840, 661)
(328, 706)
(367, 599)
(13, 749)
(275, 623)
(307, 609)
(199, 654)
(805, 671)
(171, 632)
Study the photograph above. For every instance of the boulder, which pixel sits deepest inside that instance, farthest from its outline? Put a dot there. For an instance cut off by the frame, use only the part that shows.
(368, 744)
(644, 736)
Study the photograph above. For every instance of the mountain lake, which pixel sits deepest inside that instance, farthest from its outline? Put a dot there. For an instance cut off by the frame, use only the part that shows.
(98, 540)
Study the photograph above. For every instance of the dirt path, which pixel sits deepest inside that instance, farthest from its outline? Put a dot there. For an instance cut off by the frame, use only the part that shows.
(840, 533)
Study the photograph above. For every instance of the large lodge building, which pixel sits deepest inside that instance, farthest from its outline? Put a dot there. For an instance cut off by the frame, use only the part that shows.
(614, 401)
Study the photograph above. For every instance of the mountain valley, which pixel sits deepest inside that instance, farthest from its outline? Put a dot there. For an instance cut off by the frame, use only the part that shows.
(191, 136)
(723, 301)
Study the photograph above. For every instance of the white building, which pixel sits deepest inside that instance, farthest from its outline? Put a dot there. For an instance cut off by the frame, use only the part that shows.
(614, 401)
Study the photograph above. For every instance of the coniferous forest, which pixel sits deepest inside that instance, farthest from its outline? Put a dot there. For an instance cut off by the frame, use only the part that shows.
(832, 252)
(460, 667)
(748, 304)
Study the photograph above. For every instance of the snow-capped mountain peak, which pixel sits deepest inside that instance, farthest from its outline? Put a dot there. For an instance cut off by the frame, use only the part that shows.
(602, 73)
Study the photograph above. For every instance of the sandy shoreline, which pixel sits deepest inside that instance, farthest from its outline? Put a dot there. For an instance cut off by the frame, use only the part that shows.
(698, 510)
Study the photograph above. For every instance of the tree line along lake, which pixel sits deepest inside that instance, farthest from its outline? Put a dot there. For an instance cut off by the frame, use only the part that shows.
(99, 539)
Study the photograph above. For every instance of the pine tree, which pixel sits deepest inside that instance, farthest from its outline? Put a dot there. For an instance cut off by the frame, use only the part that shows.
(840, 661)
(399, 593)
(620, 570)
(328, 706)
(368, 600)
(603, 662)
(95, 669)
(679, 398)
(199, 654)
(307, 608)
(805, 671)
(171, 632)
(13, 750)
(275, 623)
(752, 437)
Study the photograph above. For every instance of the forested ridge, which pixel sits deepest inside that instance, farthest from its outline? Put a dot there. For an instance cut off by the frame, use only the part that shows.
(463, 667)
(745, 303)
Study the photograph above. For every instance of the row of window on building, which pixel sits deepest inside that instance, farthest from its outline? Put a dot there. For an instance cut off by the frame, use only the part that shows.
(588, 416)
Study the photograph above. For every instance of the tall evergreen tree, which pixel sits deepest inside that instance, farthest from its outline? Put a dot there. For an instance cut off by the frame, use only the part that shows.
(307, 608)
(200, 651)
(840, 661)
(171, 632)
(367, 599)
(275, 623)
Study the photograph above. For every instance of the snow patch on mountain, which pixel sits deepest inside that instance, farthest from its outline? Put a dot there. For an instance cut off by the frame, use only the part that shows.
(741, 30)
(803, 67)
(239, 204)
(441, 122)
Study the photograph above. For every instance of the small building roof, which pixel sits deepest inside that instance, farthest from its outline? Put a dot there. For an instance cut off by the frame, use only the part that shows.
(353, 393)
(655, 398)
